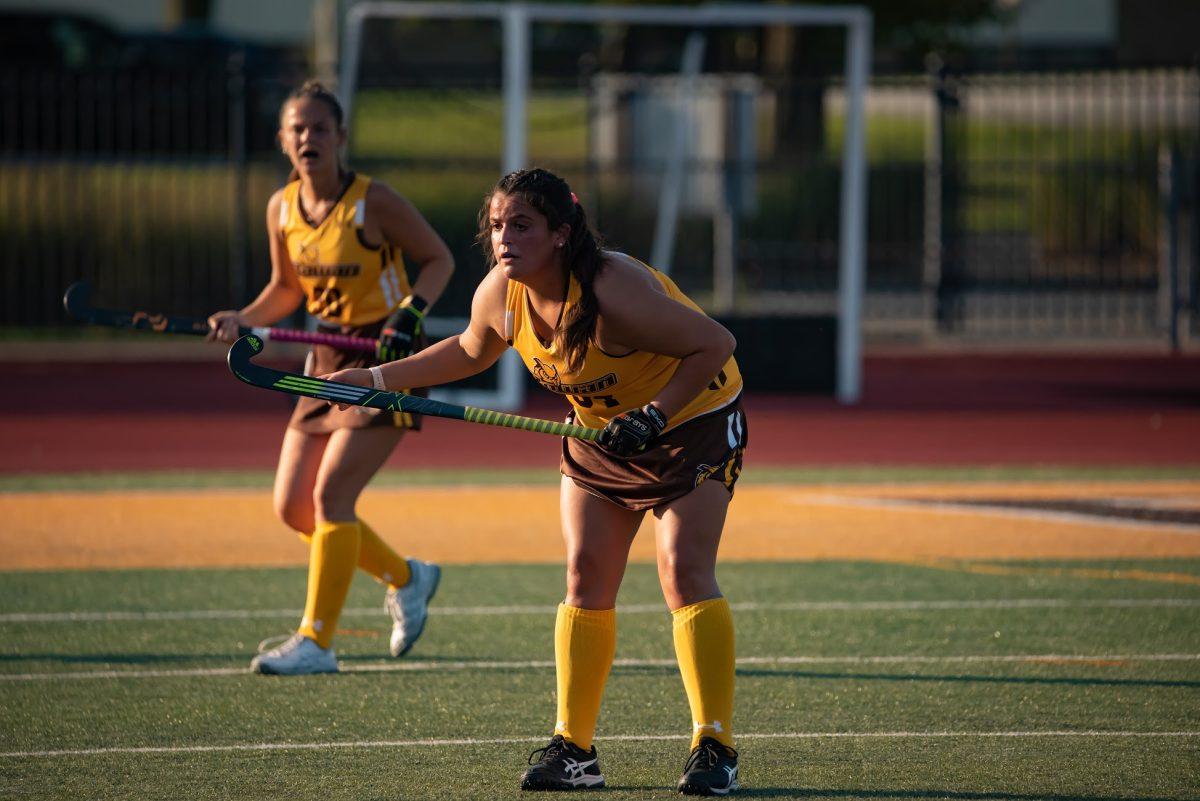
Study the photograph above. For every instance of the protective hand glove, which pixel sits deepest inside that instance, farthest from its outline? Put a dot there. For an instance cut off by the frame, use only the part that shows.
(630, 432)
(401, 329)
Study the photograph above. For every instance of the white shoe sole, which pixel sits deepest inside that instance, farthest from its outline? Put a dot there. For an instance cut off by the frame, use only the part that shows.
(268, 670)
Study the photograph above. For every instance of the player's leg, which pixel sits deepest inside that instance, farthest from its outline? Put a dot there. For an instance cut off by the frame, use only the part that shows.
(295, 480)
(353, 457)
(687, 535)
(598, 535)
(295, 476)
(347, 460)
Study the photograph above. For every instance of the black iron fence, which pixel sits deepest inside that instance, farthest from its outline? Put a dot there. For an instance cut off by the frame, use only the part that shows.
(205, 110)
(148, 183)
(1062, 202)
(1014, 205)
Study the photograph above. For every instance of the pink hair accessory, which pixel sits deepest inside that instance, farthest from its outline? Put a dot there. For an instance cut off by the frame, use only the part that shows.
(574, 199)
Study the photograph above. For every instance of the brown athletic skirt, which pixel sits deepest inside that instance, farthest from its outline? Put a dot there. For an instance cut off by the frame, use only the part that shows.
(709, 447)
(314, 416)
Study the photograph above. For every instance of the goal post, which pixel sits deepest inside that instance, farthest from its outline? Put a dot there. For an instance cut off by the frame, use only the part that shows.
(516, 20)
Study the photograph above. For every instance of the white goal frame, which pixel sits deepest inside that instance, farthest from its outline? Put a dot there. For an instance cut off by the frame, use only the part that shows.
(516, 19)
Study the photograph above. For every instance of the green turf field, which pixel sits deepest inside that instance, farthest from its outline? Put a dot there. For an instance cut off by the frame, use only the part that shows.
(856, 680)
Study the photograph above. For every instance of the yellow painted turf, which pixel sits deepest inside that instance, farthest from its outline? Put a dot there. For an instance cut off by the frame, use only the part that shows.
(207, 528)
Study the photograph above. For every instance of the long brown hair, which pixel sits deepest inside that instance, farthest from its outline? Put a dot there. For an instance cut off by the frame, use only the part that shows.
(582, 257)
(315, 90)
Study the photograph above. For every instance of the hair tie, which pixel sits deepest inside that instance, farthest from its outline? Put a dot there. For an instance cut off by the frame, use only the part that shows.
(574, 199)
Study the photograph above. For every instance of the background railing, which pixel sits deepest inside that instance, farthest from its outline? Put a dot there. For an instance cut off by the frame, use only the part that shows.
(150, 184)
(1053, 200)
(1007, 206)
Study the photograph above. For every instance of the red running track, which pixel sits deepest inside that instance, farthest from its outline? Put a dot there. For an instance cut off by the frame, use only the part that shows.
(989, 409)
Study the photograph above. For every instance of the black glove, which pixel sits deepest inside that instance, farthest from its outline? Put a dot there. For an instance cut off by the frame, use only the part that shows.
(630, 432)
(401, 329)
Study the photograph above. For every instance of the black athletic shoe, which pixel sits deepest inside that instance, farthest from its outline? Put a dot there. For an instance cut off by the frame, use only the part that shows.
(562, 766)
(712, 769)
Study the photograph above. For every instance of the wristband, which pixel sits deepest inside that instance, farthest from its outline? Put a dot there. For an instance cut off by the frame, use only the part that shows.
(415, 304)
(656, 416)
(377, 378)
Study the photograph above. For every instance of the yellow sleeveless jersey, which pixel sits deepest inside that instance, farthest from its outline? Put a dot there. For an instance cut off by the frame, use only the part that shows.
(346, 280)
(608, 385)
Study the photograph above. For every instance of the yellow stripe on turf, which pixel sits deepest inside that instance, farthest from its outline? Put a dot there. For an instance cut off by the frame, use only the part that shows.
(47, 530)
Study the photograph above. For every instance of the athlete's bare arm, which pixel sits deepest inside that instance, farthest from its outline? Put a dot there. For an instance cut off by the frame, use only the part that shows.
(473, 351)
(636, 314)
(278, 298)
(402, 225)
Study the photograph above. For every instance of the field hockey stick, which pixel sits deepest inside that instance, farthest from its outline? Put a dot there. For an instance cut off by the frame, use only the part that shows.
(255, 375)
(76, 300)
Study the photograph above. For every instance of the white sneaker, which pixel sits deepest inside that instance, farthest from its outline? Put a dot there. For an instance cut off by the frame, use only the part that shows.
(299, 656)
(409, 605)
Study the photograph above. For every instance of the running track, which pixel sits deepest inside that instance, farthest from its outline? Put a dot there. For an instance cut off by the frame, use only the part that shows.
(1066, 409)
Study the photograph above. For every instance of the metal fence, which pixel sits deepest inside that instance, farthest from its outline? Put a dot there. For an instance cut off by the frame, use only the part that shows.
(1001, 205)
(1009, 206)
(1054, 204)
(149, 184)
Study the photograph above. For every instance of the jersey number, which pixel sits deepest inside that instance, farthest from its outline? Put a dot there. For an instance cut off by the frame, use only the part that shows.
(327, 301)
(587, 402)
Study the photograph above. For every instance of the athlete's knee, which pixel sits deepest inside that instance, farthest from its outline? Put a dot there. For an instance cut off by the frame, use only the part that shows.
(578, 576)
(590, 582)
(296, 514)
(332, 503)
(684, 581)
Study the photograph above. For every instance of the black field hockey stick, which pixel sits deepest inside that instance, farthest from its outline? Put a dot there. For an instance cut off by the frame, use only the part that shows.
(77, 302)
(255, 375)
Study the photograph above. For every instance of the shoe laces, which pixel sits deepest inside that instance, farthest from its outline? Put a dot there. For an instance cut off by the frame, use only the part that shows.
(549, 751)
(708, 754)
(282, 642)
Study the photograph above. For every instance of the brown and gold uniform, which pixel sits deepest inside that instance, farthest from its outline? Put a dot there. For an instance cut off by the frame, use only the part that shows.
(350, 286)
(706, 439)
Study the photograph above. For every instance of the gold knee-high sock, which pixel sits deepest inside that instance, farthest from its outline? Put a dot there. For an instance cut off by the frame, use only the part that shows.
(377, 558)
(584, 643)
(332, 557)
(704, 647)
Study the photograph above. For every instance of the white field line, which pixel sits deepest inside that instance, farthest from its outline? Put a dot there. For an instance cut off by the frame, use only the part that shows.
(547, 664)
(440, 743)
(473, 611)
(939, 507)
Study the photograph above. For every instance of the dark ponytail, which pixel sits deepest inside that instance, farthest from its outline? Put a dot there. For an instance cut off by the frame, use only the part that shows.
(582, 256)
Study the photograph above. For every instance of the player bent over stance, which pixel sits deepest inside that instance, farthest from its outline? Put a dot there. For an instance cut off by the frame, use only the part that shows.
(636, 358)
(336, 240)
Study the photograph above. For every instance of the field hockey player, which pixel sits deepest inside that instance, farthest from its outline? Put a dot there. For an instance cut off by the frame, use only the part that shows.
(638, 361)
(336, 240)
